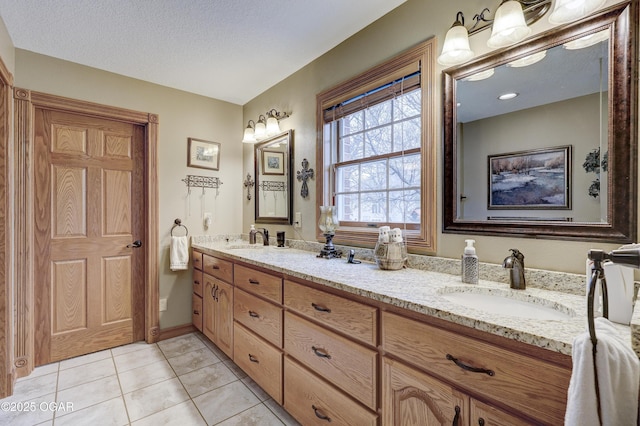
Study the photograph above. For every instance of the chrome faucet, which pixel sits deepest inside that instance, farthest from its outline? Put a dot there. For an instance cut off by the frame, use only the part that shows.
(515, 265)
(265, 235)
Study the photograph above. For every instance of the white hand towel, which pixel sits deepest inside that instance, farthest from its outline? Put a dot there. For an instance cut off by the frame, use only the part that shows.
(620, 288)
(618, 378)
(179, 253)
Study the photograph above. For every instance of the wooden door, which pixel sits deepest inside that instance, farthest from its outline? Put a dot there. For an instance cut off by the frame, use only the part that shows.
(88, 208)
(412, 398)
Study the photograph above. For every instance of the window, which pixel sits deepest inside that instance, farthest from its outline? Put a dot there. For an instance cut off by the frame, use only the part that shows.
(378, 151)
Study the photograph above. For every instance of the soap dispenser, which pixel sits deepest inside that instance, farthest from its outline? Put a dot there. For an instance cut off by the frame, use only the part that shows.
(252, 234)
(470, 265)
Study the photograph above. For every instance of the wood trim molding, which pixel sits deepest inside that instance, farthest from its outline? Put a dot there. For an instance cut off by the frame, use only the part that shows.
(178, 330)
(24, 339)
(7, 375)
(25, 101)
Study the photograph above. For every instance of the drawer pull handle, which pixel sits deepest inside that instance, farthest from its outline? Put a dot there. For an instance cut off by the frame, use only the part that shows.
(253, 359)
(468, 367)
(320, 353)
(254, 282)
(320, 308)
(456, 418)
(480, 421)
(196, 282)
(196, 312)
(253, 314)
(215, 267)
(320, 415)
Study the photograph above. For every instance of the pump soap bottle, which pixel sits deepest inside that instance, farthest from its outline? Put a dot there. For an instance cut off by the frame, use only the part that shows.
(470, 266)
(252, 234)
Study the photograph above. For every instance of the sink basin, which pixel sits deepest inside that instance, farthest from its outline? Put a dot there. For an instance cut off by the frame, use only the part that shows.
(507, 303)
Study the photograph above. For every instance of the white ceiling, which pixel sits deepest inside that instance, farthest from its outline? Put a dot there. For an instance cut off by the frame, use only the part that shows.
(231, 50)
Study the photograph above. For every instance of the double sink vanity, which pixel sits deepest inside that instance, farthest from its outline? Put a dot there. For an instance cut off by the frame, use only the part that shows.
(342, 343)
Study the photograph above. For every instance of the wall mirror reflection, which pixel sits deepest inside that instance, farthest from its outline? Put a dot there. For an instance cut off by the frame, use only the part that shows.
(273, 185)
(539, 139)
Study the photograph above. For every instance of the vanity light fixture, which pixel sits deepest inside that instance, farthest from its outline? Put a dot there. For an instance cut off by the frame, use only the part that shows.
(455, 49)
(265, 127)
(249, 133)
(482, 75)
(507, 96)
(261, 128)
(509, 26)
(565, 11)
(528, 60)
(586, 41)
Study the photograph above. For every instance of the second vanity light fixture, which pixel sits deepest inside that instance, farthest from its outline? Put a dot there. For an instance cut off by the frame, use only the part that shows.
(265, 127)
(510, 25)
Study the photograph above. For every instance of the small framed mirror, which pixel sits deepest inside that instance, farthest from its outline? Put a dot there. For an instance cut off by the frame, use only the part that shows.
(558, 159)
(274, 184)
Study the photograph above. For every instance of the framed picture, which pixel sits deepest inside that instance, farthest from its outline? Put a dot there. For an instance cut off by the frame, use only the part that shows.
(534, 179)
(272, 162)
(203, 154)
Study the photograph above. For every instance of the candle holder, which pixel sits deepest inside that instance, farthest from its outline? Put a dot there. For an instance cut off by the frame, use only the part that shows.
(328, 223)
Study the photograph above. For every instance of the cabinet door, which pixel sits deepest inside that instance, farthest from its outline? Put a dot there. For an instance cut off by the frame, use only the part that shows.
(486, 415)
(224, 318)
(209, 307)
(412, 398)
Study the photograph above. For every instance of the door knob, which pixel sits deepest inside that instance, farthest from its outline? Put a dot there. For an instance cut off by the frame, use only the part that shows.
(135, 244)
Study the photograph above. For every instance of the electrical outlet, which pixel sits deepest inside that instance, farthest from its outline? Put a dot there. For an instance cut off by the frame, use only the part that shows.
(298, 222)
(163, 305)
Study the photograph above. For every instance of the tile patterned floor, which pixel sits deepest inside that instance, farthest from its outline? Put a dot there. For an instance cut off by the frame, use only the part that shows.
(182, 381)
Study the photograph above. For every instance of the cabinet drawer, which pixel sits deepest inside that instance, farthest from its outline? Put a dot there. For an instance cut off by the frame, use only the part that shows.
(218, 268)
(312, 401)
(529, 385)
(261, 361)
(260, 283)
(197, 282)
(348, 365)
(355, 319)
(260, 316)
(196, 315)
(197, 259)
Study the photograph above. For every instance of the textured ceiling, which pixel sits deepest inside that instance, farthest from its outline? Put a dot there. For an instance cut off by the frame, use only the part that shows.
(231, 50)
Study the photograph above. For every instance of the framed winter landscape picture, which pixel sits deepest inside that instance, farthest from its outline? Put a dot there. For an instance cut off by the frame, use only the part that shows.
(535, 179)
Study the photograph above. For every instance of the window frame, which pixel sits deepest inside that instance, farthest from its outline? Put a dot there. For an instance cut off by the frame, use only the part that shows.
(422, 58)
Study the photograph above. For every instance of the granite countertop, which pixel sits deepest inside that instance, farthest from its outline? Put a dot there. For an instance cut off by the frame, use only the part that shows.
(426, 291)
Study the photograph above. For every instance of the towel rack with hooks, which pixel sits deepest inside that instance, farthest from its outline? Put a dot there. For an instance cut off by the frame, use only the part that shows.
(178, 224)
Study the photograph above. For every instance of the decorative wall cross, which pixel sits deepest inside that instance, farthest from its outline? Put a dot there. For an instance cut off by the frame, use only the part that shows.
(249, 183)
(303, 176)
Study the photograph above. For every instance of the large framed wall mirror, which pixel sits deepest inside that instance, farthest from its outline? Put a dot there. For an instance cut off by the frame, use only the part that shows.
(274, 184)
(559, 158)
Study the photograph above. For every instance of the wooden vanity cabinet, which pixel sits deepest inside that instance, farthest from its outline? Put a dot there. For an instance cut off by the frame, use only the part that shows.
(532, 387)
(212, 301)
(217, 320)
(324, 334)
(258, 327)
(196, 308)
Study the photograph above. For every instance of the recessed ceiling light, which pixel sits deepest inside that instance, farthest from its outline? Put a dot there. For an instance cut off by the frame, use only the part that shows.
(507, 96)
